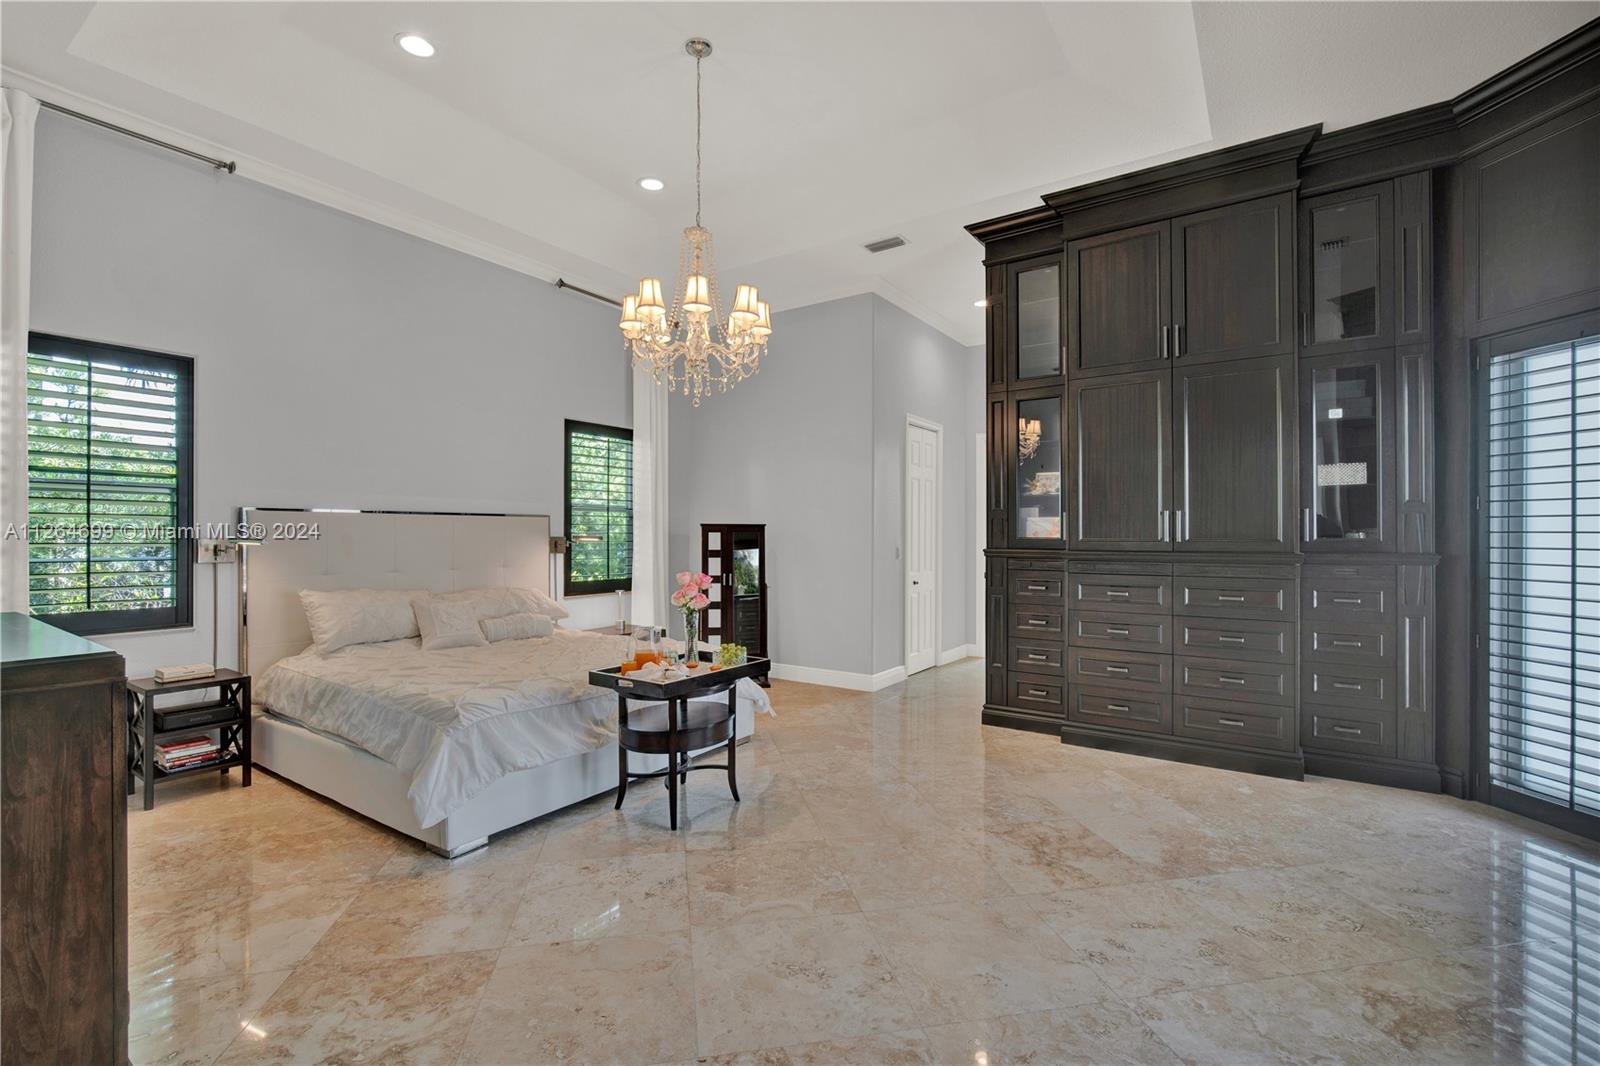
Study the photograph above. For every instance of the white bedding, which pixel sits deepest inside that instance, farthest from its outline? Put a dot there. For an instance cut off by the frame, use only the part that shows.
(458, 719)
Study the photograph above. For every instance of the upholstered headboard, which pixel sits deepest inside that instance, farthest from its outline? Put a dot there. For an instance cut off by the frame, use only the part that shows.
(377, 550)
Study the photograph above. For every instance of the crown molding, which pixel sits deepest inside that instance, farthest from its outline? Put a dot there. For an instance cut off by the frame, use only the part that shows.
(1551, 61)
(1382, 133)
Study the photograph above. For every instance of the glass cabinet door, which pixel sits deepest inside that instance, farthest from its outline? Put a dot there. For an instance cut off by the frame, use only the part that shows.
(1347, 278)
(1348, 477)
(1037, 447)
(744, 606)
(1038, 321)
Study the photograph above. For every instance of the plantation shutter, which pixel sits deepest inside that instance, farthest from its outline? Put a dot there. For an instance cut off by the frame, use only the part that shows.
(108, 486)
(1544, 573)
(599, 508)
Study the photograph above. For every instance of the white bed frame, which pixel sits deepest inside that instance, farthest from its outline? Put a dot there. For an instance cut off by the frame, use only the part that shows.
(402, 550)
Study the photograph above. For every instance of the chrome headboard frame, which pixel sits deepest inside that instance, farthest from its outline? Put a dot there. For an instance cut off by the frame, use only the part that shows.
(441, 551)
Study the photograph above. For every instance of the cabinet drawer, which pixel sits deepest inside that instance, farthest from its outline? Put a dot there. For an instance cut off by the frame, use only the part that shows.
(1237, 638)
(1133, 670)
(1044, 695)
(1341, 729)
(1339, 594)
(1269, 598)
(1348, 686)
(1042, 586)
(1115, 630)
(1040, 657)
(1351, 645)
(1120, 710)
(1123, 592)
(1246, 681)
(1255, 727)
(1037, 620)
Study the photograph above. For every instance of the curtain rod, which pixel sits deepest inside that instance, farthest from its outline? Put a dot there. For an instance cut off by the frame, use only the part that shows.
(219, 164)
(563, 283)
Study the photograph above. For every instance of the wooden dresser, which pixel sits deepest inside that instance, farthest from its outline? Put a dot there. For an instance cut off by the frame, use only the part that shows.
(63, 848)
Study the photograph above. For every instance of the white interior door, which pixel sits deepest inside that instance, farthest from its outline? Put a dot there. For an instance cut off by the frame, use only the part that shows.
(922, 546)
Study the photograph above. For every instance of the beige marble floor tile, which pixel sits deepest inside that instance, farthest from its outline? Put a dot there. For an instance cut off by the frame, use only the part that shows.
(514, 849)
(981, 960)
(1094, 1034)
(614, 999)
(595, 831)
(880, 812)
(910, 1048)
(1466, 1007)
(400, 916)
(1037, 857)
(795, 981)
(1455, 904)
(286, 854)
(1154, 937)
(229, 930)
(589, 898)
(190, 1023)
(710, 818)
(1001, 800)
(762, 883)
(1280, 1020)
(942, 867)
(394, 1011)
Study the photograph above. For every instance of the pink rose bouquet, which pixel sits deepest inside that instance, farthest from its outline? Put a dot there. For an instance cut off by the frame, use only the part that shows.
(691, 599)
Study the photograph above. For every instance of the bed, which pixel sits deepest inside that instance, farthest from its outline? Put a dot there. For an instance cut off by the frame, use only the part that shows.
(446, 746)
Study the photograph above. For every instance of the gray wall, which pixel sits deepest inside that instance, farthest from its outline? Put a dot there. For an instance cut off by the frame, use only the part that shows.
(792, 447)
(814, 447)
(916, 370)
(337, 362)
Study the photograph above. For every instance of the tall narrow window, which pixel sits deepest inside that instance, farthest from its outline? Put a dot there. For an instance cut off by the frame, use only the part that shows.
(110, 436)
(599, 508)
(1544, 574)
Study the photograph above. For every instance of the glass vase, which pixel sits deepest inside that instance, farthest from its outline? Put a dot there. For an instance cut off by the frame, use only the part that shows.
(691, 630)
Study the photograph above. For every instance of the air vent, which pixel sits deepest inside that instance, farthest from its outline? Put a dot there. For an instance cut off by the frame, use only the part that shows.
(885, 245)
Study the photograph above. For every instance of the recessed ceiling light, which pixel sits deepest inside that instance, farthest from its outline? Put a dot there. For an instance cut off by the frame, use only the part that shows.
(652, 184)
(414, 44)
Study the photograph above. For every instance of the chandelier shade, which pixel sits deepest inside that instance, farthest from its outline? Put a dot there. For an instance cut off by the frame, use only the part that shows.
(690, 346)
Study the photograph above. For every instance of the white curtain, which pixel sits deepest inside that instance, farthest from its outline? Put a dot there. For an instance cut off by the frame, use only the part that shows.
(18, 113)
(651, 567)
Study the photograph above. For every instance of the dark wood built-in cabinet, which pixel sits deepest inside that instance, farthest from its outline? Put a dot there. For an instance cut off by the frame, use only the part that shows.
(63, 848)
(736, 558)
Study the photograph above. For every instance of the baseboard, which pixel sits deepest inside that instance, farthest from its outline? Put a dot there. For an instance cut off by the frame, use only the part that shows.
(1420, 777)
(814, 675)
(957, 653)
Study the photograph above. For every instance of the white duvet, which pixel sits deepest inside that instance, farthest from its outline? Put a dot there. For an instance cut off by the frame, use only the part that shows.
(457, 720)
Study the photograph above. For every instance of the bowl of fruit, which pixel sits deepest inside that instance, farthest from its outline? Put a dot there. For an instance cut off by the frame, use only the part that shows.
(732, 654)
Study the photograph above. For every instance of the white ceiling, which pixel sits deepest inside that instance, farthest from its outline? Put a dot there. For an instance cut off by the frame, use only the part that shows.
(827, 124)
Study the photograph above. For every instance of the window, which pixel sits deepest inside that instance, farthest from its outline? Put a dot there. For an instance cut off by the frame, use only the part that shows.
(599, 508)
(110, 446)
(1544, 558)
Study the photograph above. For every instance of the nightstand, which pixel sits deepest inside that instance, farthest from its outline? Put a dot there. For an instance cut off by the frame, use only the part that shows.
(228, 716)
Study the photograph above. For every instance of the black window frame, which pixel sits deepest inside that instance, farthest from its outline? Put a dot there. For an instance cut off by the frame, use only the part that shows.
(143, 619)
(572, 587)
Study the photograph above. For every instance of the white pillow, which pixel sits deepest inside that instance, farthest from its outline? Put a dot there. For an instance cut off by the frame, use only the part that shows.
(446, 623)
(537, 602)
(499, 601)
(340, 617)
(517, 627)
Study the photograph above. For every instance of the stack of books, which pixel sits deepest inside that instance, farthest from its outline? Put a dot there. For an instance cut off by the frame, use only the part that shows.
(186, 752)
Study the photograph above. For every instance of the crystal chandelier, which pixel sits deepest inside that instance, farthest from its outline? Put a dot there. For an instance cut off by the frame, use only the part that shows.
(690, 346)
(1029, 433)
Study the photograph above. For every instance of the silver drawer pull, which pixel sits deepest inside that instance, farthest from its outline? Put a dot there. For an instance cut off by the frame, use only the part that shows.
(1120, 708)
(1038, 692)
(1227, 638)
(1038, 588)
(1229, 680)
(1349, 686)
(1116, 669)
(1116, 631)
(1348, 601)
(1038, 621)
(1236, 723)
(1121, 594)
(1230, 599)
(1345, 643)
(1346, 729)
(1036, 657)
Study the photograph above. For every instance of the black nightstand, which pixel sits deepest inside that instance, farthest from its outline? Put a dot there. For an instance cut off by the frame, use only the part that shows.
(229, 715)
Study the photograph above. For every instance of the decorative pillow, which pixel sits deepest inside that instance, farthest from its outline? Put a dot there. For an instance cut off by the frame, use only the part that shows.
(536, 602)
(446, 623)
(517, 627)
(340, 617)
(499, 601)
